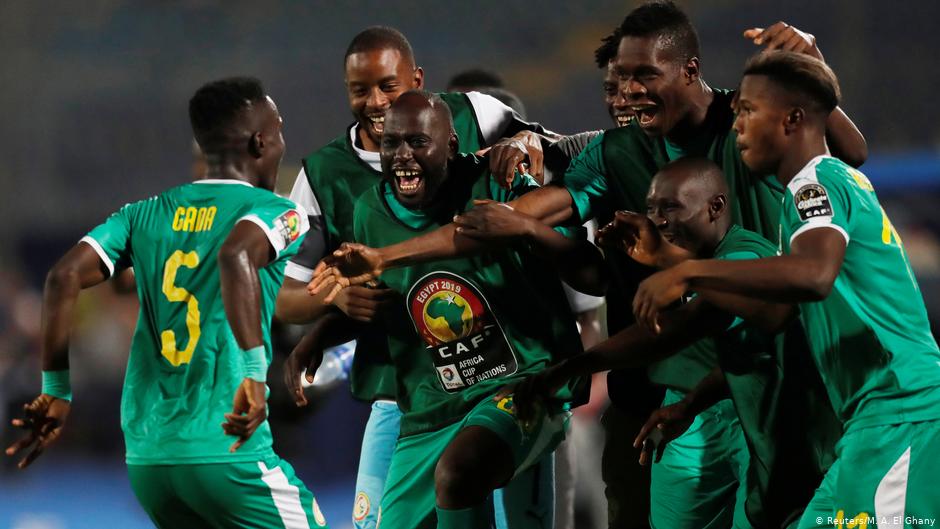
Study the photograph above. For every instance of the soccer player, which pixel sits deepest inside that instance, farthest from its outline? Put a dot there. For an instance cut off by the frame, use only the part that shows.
(840, 253)
(379, 66)
(209, 257)
(782, 405)
(467, 326)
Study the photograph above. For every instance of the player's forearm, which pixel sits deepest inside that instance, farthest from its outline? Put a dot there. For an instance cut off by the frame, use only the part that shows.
(637, 347)
(241, 296)
(765, 315)
(296, 305)
(783, 279)
(579, 262)
(845, 140)
(80, 268)
(551, 204)
(708, 392)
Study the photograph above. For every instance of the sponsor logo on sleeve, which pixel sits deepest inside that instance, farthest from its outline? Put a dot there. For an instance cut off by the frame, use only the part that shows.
(288, 226)
(466, 342)
(812, 201)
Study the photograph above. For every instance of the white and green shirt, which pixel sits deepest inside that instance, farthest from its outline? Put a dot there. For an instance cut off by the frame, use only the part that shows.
(871, 338)
(184, 364)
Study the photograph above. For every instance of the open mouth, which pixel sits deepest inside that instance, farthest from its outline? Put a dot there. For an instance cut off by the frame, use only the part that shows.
(377, 122)
(408, 181)
(624, 119)
(645, 114)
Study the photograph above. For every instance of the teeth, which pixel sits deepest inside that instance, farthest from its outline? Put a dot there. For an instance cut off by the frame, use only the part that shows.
(405, 174)
(377, 119)
(623, 121)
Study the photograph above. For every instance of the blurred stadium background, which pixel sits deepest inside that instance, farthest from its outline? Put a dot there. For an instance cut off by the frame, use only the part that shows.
(94, 96)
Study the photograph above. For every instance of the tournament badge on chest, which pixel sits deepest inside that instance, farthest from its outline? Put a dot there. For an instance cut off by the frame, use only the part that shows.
(466, 342)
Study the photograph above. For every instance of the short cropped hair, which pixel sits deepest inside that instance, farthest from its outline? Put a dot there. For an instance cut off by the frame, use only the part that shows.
(380, 38)
(663, 19)
(810, 81)
(607, 51)
(215, 106)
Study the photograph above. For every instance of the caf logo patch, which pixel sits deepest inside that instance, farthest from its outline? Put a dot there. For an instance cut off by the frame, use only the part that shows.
(445, 308)
(361, 507)
(462, 335)
(288, 225)
(812, 201)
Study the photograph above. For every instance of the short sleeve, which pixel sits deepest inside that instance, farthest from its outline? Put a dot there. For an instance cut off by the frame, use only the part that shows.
(284, 223)
(815, 203)
(586, 179)
(492, 115)
(313, 247)
(111, 240)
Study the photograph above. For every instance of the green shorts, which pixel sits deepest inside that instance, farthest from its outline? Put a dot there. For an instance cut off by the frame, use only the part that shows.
(409, 500)
(260, 494)
(884, 476)
(699, 483)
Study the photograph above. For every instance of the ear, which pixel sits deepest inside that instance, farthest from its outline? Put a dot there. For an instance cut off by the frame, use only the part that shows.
(256, 145)
(692, 71)
(453, 145)
(419, 78)
(717, 206)
(794, 120)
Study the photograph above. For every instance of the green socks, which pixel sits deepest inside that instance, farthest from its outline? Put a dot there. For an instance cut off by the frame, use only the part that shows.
(471, 518)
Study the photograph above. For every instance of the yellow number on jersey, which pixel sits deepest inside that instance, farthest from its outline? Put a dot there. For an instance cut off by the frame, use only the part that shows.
(176, 294)
(887, 229)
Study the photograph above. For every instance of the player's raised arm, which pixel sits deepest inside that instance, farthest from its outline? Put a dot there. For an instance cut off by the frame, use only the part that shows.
(44, 417)
(845, 140)
(578, 261)
(354, 264)
(806, 274)
(246, 249)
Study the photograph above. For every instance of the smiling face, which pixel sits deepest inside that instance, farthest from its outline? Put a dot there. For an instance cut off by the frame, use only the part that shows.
(686, 205)
(417, 144)
(374, 80)
(653, 83)
(761, 124)
(617, 106)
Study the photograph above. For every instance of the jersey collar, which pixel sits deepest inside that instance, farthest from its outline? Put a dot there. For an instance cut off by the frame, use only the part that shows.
(222, 181)
(372, 159)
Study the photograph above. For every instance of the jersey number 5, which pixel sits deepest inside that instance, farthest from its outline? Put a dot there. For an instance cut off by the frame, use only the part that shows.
(174, 294)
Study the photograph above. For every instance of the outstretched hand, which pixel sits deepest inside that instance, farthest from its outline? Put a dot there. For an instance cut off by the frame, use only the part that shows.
(782, 36)
(43, 419)
(249, 410)
(664, 425)
(350, 264)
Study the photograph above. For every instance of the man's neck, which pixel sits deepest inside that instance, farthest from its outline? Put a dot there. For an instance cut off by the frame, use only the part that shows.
(221, 168)
(365, 141)
(691, 124)
(809, 146)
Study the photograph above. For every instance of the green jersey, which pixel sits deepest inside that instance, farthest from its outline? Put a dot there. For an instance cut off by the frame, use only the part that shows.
(871, 337)
(469, 325)
(185, 364)
(784, 411)
(332, 179)
(614, 172)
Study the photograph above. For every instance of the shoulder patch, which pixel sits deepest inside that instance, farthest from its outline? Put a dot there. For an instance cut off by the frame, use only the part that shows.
(288, 226)
(812, 201)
